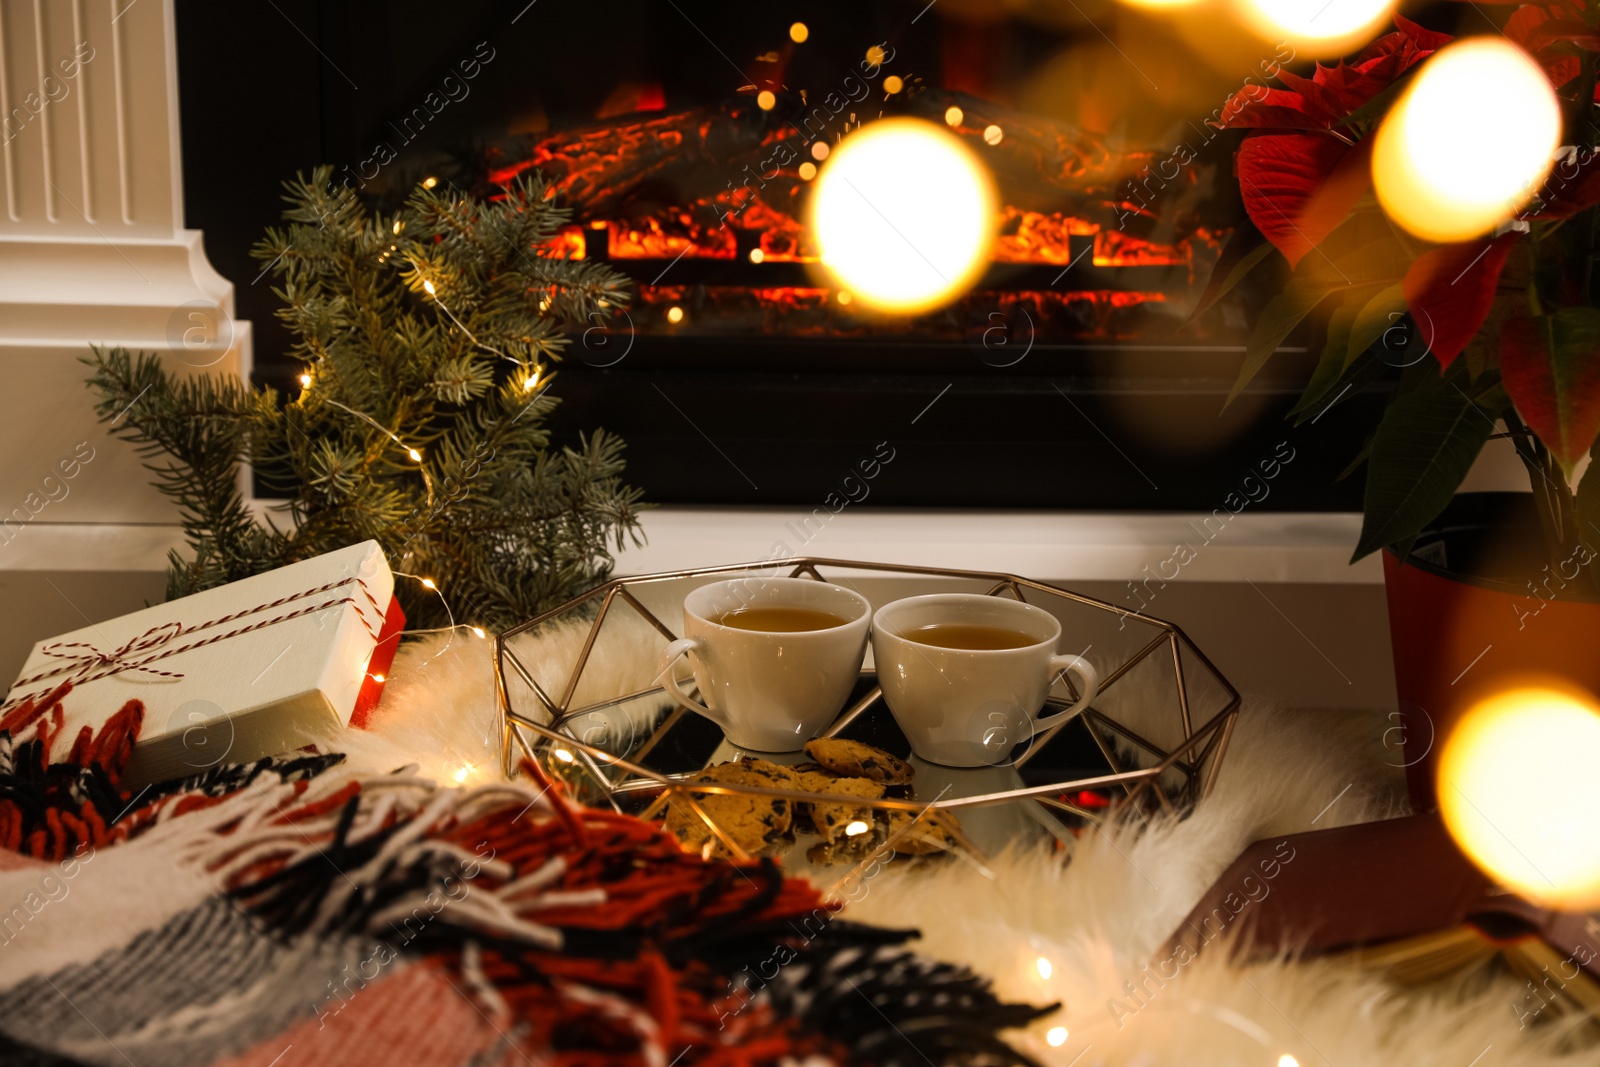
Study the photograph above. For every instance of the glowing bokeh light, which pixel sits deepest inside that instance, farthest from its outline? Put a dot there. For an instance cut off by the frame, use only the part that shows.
(903, 215)
(1517, 791)
(808, 171)
(953, 116)
(893, 84)
(765, 100)
(1042, 965)
(1316, 28)
(799, 32)
(1287, 1060)
(1057, 1036)
(674, 315)
(756, 255)
(856, 828)
(819, 150)
(1469, 143)
(993, 134)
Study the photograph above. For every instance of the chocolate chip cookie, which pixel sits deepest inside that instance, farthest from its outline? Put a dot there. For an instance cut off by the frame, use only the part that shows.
(855, 760)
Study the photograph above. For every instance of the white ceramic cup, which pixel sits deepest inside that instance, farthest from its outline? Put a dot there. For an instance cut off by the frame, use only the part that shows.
(971, 707)
(770, 692)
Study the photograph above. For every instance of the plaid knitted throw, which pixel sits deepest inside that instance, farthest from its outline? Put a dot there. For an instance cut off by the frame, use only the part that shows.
(287, 912)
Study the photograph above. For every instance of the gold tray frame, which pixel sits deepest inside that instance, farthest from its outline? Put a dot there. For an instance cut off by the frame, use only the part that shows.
(1197, 758)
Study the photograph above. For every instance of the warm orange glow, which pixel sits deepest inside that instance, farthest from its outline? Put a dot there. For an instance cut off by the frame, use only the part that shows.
(765, 100)
(893, 84)
(819, 151)
(876, 55)
(674, 315)
(756, 255)
(953, 116)
(799, 32)
(1469, 143)
(904, 215)
(1318, 29)
(993, 134)
(808, 171)
(1518, 792)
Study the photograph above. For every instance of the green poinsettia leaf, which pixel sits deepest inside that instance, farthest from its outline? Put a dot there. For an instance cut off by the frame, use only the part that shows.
(1430, 435)
(1378, 315)
(1551, 368)
(1246, 250)
(1330, 365)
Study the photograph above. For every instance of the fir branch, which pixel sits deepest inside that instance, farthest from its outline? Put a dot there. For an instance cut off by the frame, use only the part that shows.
(505, 526)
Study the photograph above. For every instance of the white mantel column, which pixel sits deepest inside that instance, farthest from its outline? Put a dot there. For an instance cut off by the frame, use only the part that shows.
(92, 251)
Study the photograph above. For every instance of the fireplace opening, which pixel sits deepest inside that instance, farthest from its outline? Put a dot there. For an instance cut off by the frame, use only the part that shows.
(688, 141)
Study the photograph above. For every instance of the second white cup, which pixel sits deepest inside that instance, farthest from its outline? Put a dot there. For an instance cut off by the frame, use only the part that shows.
(965, 674)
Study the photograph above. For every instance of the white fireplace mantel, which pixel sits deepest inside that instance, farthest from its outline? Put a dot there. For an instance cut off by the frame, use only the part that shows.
(92, 252)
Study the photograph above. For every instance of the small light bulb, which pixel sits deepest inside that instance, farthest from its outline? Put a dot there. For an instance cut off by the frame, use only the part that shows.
(856, 829)
(808, 171)
(564, 756)
(305, 381)
(1057, 1036)
(765, 100)
(427, 583)
(1287, 1060)
(799, 32)
(429, 183)
(377, 678)
(530, 383)
(428, 286)
(597, 224)
(893, 84)
(756, 255)
(844, 297)
(1045, 970)
(819, 150)
(674, 315)
(953, 116)
(478, 630)
(398, 225)
(461, 775)
(416, 457)
(876, 55)
(993, 134)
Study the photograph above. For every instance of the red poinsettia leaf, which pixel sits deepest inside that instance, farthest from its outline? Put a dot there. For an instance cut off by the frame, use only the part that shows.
(1551, 369)
(1525, 24)
(1570, 31)
(1424, 38)
(1573, 185)
(1449, 290)
(1298, 186)
(1267, 109)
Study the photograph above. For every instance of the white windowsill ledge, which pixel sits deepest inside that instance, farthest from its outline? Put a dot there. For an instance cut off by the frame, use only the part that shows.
(1051, 546)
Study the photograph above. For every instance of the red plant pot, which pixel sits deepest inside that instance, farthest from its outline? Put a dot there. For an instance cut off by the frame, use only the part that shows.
(1459, 636)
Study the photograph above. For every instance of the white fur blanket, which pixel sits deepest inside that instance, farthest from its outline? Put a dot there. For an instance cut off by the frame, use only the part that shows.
(1098, 913)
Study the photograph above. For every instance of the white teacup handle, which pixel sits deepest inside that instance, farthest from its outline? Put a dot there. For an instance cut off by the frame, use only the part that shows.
(1088, 686)
(668, 678)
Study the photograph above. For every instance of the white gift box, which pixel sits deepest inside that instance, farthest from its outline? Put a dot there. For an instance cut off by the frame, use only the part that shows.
(246, 670)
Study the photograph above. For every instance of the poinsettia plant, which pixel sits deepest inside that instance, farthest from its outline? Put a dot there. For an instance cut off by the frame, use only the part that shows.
(1496, 335)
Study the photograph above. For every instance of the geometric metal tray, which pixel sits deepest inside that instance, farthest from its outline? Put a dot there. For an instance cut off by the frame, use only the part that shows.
(578, 704)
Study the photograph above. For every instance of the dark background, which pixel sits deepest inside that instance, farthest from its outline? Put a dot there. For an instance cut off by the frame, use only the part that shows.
(271, 87)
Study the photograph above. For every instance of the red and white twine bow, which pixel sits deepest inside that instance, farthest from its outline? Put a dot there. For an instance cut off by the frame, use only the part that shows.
(84, 658)
(86, 663)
